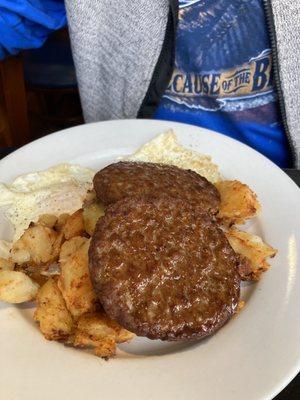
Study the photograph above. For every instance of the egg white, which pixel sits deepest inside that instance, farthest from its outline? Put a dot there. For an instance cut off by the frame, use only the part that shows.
(57, 190)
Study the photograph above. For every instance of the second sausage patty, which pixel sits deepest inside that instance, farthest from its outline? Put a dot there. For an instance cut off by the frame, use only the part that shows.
(124, 179)
(162, 269)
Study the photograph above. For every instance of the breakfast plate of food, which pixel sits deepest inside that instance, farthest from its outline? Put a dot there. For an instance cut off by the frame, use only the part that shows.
(147, 259)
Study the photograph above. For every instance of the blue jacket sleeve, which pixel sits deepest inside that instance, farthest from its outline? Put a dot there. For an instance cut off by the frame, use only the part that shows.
(26, 24)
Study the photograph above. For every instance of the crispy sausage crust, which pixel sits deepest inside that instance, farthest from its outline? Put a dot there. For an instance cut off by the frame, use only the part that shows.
(163, 270)
(127, 179)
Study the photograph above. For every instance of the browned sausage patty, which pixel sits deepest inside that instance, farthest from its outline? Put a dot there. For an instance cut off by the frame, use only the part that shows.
(163, 270)
(137, 179)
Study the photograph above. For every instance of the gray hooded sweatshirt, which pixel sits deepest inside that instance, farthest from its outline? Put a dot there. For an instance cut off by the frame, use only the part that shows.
(124, 51)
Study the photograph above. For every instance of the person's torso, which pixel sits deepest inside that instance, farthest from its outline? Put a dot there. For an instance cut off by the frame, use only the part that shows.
(222, 78)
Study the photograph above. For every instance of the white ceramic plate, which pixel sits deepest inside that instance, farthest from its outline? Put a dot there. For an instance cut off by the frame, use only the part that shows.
(253, 357)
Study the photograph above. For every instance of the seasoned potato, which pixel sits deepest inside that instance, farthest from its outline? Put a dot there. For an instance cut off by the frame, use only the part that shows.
(100, 332)
(254, 251)
(48, 220)
(70, 246)
(92, 328)
(60, 223)
(91, 214)
(74, 225)
(37, 277)
(16, 287)
(20, 256)
(57, 246)
(55, 320)
(38, 273)
(6, 265)
(123, 335)
(38, 244)
(238, 202)
(241, 305)
(106, 349)
(75, 284)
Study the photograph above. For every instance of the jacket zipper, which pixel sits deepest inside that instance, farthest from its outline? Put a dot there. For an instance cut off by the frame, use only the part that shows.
(276, 75)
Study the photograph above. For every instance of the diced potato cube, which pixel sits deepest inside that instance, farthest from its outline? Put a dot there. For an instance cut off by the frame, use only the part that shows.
(20, 256)
(71, 246)
(238, 202)
(60, 223)
(74, 225)
(48, 220)
(54, 319)
(254, 252)
(6, 265)
(16, 287)
(92, 329)
(38, 244)
(75, 284)
(57, 246)
(98, 331)
(123, 335)
(241, 305)
(91, 214)
(106, 349)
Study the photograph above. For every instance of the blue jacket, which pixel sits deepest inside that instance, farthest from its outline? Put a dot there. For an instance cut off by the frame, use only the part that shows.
(26, 24)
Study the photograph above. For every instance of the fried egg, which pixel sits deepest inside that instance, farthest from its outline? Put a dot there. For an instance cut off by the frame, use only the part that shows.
(57, 190)
(166, 149)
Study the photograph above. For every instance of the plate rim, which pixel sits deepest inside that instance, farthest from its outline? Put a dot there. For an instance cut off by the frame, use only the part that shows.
(296, 368)
(148, 120)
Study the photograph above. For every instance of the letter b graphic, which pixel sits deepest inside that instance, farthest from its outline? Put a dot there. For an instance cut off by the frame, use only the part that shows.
(261, 78)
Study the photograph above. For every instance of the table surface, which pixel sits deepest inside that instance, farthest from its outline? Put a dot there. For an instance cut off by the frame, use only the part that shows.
(292, 391)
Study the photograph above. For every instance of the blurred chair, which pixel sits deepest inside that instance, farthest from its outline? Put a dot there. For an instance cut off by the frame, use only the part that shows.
(14, 126)
(42, 89)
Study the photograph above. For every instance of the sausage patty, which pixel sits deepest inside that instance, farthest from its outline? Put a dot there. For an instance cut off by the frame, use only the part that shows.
(136, 179)
(163, 269)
